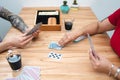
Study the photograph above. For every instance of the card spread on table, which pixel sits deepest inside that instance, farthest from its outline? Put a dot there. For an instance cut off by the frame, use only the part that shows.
(54, 55)
(54, 45)
(28, 73)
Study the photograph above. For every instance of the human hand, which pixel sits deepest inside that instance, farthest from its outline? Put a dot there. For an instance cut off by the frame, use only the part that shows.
(101, 64)
(35, 34)
(19, 40)
(68, 37)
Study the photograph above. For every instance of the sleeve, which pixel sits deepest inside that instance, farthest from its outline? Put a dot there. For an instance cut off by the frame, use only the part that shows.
(114, 17)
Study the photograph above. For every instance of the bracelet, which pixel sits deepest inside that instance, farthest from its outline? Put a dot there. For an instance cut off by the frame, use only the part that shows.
(117, 73)
(111, 70)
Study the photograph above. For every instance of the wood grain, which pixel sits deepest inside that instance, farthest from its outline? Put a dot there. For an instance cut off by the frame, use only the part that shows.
(75, 64)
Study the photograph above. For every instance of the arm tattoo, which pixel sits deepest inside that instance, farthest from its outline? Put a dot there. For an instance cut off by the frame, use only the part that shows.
(18, 23)
(15, 20)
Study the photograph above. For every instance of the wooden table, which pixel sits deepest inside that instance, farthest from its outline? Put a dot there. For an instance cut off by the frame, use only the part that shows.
(74, 64)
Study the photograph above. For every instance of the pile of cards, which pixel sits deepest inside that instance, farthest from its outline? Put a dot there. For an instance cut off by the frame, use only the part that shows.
(54, 45)
(28, 73)
(54, 55)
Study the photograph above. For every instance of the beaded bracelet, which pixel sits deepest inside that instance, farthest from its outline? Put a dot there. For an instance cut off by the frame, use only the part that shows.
(111, 70)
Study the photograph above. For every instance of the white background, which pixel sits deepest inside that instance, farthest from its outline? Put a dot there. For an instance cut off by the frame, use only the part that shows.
(37, 3)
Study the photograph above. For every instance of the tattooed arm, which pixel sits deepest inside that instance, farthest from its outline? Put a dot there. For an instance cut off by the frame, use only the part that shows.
(15, 20)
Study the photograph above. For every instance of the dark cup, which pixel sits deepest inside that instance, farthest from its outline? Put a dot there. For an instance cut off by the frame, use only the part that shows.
(68, 25)
(14, 61)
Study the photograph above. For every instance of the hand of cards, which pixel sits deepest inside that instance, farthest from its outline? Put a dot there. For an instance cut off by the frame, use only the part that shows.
(35, 28)
(92, 47)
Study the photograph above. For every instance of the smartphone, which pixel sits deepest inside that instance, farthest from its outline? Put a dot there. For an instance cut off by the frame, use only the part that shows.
(35, 28)
(91, 46)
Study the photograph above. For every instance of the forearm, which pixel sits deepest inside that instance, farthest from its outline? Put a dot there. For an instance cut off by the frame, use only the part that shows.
(18, 23)
(97, 27)
(15, 20)
(92, 28)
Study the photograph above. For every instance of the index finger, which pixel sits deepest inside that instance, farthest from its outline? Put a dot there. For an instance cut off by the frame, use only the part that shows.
(62, 42)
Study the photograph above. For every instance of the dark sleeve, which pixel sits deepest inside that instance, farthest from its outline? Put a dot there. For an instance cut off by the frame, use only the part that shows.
(114, 17)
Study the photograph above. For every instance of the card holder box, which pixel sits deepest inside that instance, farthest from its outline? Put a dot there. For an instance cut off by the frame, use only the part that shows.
(51, 20)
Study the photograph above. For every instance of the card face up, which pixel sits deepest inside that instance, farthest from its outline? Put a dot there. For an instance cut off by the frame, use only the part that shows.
(54, 55)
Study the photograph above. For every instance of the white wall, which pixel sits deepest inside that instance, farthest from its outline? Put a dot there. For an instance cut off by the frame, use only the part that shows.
(37, 3)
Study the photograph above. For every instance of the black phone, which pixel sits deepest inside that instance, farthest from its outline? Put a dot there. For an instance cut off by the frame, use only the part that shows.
(35, 28)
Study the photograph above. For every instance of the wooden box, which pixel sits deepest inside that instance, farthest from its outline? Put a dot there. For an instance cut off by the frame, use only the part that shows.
(50, 19)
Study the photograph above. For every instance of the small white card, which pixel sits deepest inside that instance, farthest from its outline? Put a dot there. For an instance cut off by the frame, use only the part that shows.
(54, 55)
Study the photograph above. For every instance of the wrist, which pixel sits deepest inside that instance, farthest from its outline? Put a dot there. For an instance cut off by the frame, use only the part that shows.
(77, 34)
(117, 73)
(5, 45)
(114, 71)
(110, 69)
(9, 45)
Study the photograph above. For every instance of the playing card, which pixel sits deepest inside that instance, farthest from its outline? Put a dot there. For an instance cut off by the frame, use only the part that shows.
(54, 55)
(35, 28)
(79, 39)
(54, 45)
(92, 46)
(28, 73)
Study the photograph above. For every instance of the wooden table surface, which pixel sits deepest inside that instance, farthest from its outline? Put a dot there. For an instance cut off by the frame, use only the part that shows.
(74, 64)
